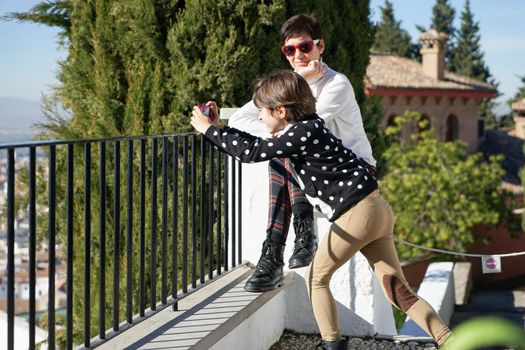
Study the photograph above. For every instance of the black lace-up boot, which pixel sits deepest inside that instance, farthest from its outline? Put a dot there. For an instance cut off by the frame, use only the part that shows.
(305, 243)
(268, 273)
(341, 344)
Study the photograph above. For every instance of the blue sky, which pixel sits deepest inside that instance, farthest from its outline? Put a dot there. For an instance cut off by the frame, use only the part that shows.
(29, 53)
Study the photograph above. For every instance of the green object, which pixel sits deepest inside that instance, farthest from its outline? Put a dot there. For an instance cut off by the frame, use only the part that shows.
(467, 56)
(438, 192)
(486, 331)
(390, 37)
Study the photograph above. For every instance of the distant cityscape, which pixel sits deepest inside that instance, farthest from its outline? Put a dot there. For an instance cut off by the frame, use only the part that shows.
(22, 250)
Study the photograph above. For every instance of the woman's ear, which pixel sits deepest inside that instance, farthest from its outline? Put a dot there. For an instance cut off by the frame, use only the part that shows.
(320, 46)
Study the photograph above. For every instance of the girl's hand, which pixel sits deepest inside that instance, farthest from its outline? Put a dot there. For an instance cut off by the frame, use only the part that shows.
(312, 72)
(215, 110)
(199, 121)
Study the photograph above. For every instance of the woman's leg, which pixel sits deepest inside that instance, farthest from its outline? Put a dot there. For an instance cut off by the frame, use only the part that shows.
(352, 231)
(382, 256)
(301, 207)
(279, 209)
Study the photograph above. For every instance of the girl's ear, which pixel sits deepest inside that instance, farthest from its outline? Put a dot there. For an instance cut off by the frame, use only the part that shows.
(281, 112)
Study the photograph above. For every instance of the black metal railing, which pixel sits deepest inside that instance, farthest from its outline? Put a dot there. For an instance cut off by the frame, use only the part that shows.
(90, 212)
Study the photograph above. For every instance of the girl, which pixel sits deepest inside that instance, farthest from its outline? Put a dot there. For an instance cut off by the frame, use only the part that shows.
(339, 184)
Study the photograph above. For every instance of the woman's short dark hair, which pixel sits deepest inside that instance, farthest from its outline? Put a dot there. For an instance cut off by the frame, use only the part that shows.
(299, 24)
(288, 89)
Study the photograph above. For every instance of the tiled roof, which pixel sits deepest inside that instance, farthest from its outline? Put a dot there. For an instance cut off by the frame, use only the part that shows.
(389, 71)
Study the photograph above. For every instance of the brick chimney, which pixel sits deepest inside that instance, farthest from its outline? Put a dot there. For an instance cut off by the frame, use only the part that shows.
(518, 107)
(433, 53)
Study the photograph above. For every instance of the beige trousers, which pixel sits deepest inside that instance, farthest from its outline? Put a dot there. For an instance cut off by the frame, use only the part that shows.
(366, 227)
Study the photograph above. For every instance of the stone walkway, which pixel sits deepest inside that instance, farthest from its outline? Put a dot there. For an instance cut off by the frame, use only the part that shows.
(295, 341)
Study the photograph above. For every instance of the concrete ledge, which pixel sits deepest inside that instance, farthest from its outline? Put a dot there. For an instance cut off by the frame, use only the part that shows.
(206, 319)
(462, 282)
(437, 288)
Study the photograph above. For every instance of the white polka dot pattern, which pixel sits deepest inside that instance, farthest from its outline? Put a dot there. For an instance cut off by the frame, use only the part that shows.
(329, 172)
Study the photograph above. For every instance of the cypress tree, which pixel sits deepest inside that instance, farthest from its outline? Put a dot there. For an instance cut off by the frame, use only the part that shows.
(390, 38)
(443, 21)
(468, 58)
(443, 18)
(218, 49)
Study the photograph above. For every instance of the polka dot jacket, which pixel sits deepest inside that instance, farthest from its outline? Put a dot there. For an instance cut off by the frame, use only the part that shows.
(331, 176)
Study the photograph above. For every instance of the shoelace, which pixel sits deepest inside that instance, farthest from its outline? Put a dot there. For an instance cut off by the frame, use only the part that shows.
(264, 265)
(304, 228)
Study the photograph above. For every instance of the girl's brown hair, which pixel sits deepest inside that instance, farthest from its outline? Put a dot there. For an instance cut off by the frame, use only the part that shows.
(287, 89)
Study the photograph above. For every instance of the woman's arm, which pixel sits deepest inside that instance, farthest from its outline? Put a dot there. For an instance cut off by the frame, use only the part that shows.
(247, 118)
(337, 100)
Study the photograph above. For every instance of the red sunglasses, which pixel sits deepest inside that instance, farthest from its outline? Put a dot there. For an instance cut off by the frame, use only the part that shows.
(303, 46)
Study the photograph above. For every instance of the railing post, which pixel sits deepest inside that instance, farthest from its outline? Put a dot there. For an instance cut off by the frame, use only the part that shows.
(153, 263)
(210, 213)
(185, 217)
(164, 237)
(233, 206)
(32, 246)
(10, 248)
(226, 212)
(87, 243)
(239, 216)
(69, 199)
(193, 211)
(175, 223)
(116, 237)
(202, 217)
(51, 237)
(142, 224)
(129, 237)
(102, 233)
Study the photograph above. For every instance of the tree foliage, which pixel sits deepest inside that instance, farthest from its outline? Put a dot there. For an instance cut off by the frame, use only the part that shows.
(437, 191)
(467, 56)
(390, 38)
(468, 59)
(443, 21)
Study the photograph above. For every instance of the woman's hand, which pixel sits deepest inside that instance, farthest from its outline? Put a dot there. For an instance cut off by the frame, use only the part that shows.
(312, 72)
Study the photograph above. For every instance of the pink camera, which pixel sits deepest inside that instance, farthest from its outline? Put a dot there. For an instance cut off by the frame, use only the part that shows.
(207, 111)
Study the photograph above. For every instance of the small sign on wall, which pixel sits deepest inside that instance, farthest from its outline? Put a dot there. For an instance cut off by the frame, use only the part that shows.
(491, 263)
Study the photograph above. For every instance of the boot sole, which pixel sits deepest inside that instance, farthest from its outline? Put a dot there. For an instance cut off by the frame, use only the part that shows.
(298, 264)
(260, 289)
